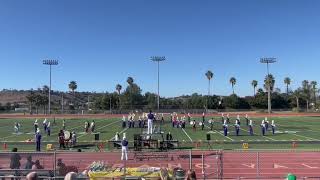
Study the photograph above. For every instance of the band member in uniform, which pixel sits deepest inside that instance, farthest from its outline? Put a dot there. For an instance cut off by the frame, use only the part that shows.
(44, 123)
(61, 139)
(225, 128)
(189, 117)
(38, 140)
(237, 127)
(150, 122)
(139, 122)
(36, 125)
(263, 127)
(222, 118)
(238, 118)
(49, 129)
(16, 127)
(162, 118)
(203, 117)
(86, 126)
(63, 124)
(273, 126)
(73, 139)
(92, 126)
(251, 127)
(247, 119)
(267, 124)
(228, 119)
(169, 137)
(123, 122)
(174, 121)
(133, 120)
(202, 125)
(194, 125)
(117, 137)
(124, 149)
(211, 121)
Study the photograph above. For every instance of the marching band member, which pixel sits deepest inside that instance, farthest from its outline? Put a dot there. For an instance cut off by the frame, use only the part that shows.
(150, 122)
(247, 119)
(237, 126)
(123, 121)
(73, 139)
(130, 120)
(174, 121)
(86, 126)
(222, 118)
(183, 125)
(169, 136)
(139, 122)
(92, 126)
(35, 124)
(133, 120)
(16, 127)
(162, 118)
(61, 139)
(64, 124)
(267, 124)
(202, 125)
(44, 123)
(203, 117)
(225, 128)
(189, 117)
(194, 125)
(38, 140)
(211, 121)
(228, 119)
(250, 127)
(263, 127)
(238, 118)
(124, 149)
(49, 129)
(117, 137)
(273, 126)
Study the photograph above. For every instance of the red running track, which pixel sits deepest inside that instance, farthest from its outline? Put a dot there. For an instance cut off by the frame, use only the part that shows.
(234, 164)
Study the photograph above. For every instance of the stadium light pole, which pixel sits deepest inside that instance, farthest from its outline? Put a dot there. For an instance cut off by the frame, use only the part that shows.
(50, 63)
(268, 61)
(158, 59)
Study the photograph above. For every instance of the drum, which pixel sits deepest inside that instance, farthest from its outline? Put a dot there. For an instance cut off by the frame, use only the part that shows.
(67, 135)
(191, 123)
(200, 123)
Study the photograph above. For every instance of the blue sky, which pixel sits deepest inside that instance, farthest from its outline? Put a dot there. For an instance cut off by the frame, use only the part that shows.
(100, 43)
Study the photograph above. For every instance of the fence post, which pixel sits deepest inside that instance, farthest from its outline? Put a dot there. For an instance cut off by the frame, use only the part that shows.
(190, 159)
(54, 164)
(258, 164)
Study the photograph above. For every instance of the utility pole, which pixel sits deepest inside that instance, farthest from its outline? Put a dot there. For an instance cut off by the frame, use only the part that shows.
(158, 59)
(50, 63)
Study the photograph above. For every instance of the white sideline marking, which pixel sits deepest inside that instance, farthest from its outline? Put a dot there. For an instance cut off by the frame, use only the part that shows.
(251, 165)
(187, 134)
(310, 167)
(306, 137)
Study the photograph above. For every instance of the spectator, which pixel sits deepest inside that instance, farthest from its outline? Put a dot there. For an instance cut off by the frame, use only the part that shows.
(71, 176)
(32, 176)
(191, 175)
(37, 165)
(15, 159)
(29, 163)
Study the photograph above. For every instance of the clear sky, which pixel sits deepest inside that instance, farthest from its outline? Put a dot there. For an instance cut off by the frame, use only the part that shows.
(99, 43)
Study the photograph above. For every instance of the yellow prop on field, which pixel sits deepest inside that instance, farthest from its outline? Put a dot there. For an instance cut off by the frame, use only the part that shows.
(130, 172)
(245, 146)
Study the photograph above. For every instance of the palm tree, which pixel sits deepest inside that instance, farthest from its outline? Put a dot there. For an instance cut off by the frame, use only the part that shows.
(314, 89)
(287, 81)
(306, 92)
(269, 79)
(254, 83)
(297, 95)
(118, 88)
(209, 76)
(233, 82)
(73, 86)
(130, 82)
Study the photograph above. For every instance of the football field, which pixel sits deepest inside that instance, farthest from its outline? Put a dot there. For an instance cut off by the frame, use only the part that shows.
(302, 131)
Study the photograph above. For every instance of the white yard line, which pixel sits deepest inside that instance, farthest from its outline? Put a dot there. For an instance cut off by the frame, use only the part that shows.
(221, 134)
(305, 137)
(186, 134)
(102, 127)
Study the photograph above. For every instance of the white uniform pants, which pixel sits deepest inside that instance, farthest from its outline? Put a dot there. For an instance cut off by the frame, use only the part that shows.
(124, 153)
(150, 124)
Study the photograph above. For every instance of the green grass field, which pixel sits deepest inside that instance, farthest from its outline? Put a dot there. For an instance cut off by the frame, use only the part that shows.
(302, 130)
